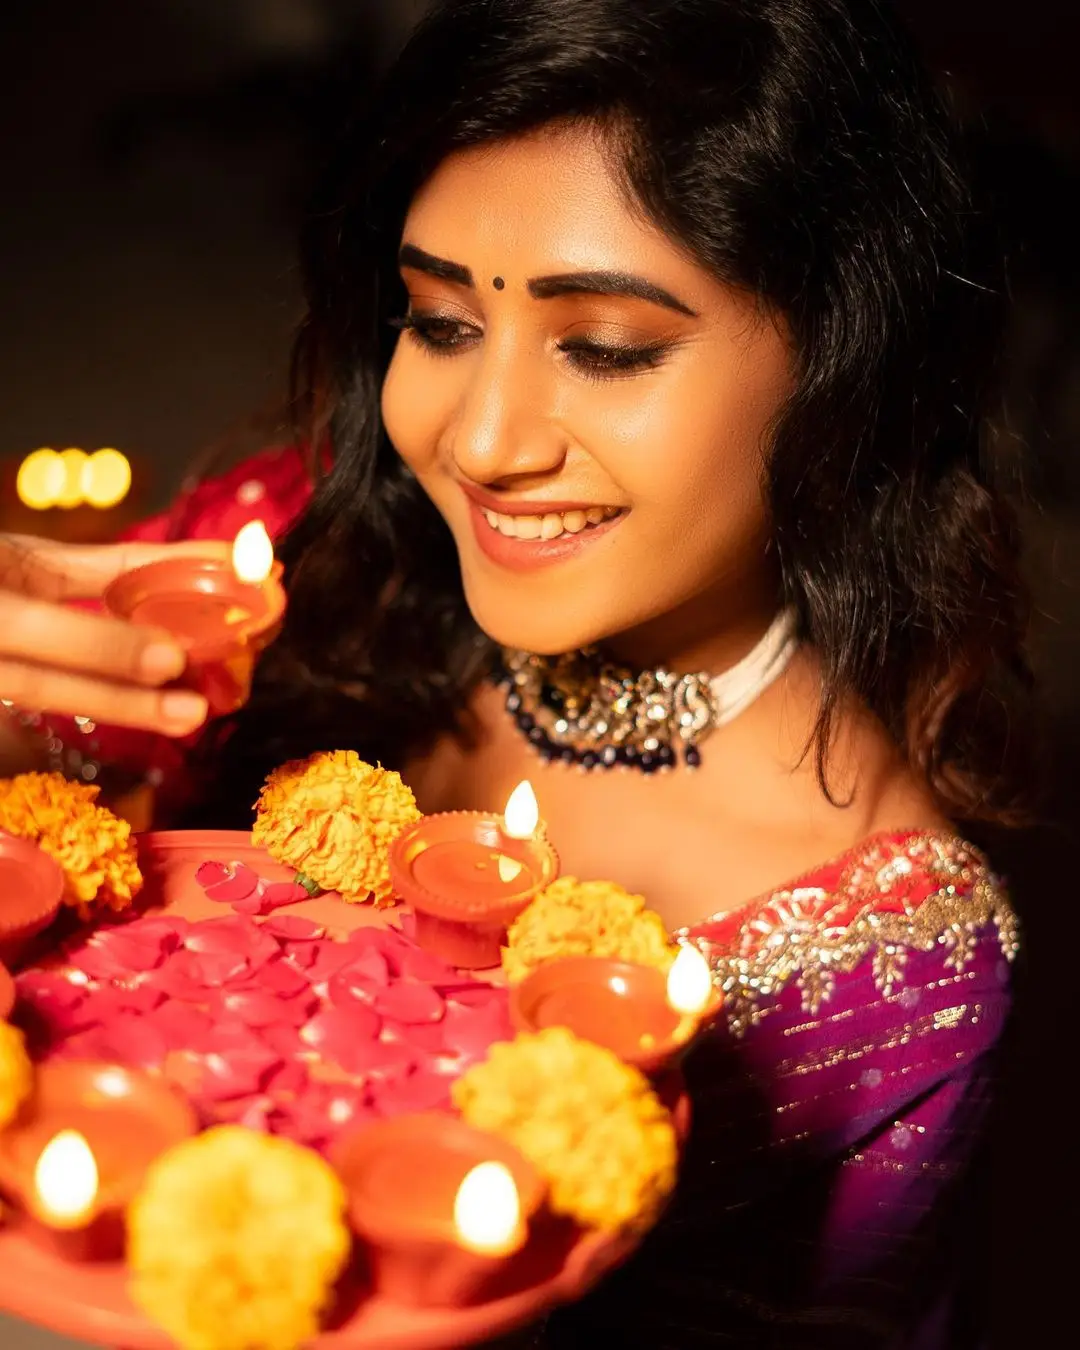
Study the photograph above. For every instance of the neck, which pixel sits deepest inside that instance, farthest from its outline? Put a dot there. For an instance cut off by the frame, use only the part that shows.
(709, 633)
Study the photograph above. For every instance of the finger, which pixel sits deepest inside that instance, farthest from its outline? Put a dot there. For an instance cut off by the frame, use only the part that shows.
(90, 644)
(173, 712)
(54, 571)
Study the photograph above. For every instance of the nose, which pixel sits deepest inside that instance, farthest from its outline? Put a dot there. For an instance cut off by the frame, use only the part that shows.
(505, 428)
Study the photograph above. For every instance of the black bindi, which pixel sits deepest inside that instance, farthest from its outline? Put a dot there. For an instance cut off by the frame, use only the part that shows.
(498, 283)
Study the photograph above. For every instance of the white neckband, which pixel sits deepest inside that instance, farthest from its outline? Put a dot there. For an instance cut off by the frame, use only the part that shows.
(735, 689)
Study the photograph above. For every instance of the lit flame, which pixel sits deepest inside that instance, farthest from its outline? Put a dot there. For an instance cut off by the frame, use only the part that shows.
(253, 553)
(40, 479)
(487, 1210)
(509, 868)
(66, 1178)
(689, 982)
(106, 478)
(522, 815)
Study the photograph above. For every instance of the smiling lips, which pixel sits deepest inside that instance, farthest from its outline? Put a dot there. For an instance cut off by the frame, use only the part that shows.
(522, 541)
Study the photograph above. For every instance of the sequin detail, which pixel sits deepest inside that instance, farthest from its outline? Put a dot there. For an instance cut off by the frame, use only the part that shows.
(897, 894)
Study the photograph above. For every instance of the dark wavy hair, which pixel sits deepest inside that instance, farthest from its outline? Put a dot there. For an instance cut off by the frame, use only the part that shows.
(798, 149)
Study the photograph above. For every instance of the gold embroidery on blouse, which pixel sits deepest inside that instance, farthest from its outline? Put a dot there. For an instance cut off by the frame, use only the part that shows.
(809, 936)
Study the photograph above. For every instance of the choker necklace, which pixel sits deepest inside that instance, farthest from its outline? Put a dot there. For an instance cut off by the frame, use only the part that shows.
(583, 709)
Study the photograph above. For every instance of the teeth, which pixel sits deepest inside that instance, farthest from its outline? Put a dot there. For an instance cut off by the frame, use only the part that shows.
(528, 527)
(549, 526)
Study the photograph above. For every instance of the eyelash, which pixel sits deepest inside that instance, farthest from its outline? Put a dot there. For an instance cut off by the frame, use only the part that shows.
(591, 359)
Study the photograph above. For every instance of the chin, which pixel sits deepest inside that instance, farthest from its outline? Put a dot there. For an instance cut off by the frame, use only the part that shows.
(544, 630)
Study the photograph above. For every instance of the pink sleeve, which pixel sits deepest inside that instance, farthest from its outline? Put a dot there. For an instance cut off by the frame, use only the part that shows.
(273, 487)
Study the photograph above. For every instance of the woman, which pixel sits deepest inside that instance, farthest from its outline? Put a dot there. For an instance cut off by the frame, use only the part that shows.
(648, 346)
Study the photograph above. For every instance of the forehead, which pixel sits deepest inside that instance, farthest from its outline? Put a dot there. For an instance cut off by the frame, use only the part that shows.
(538, 204)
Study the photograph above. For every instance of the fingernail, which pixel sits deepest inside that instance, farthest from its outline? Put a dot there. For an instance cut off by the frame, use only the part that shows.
(183, 708)
(162, 661)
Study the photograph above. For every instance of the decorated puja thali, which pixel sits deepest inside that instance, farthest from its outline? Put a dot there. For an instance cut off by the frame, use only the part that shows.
(244, 1091)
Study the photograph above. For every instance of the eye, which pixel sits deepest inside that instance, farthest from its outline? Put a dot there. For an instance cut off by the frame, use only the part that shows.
(436, 333)
(601, 360)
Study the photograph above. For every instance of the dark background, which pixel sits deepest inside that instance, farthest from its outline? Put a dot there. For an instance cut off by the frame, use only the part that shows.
(155, 155)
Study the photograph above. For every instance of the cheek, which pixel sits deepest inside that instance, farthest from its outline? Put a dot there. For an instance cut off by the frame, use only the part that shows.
(411, 410)
(687, 453)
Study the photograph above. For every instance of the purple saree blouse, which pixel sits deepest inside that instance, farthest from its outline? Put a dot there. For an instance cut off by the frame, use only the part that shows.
(822, 1200)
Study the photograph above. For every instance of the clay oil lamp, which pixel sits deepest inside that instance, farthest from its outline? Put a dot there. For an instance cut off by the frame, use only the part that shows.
(76, 1155)
(222, 613)
(468, 875)
(442, 1210)
(31, 887)
(645, 1018)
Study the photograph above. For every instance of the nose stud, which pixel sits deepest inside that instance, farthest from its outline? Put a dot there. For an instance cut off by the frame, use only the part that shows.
(498, 283)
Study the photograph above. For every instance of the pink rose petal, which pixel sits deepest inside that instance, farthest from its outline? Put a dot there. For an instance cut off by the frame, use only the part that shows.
(166, 930)
(179, 978)
(290, 1077)
(408, 1002)
(372, 965)
(472, 1031)
(420, 1091)
(235, 935)
(209, 874)
(478, 995)
(47, 990)
(104, 1004)
(215, 969)
(184, 1027)
(281, 893)
(384, 1059)
(416, 964)
(283, 979)
(426, 1036)
(333, 1032)
(238, 884)
(133, 949)
(133, 1040)
(236, 1074)
(256, 1007)
(330, 958)
(252, 1112)
(347, 987)
(303, 955)
(326, 1111)
(292, 928)
(285, 1041)
(251, 905)
(99, 962)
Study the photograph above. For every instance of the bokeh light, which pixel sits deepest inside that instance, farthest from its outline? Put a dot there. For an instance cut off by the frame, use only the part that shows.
(106, 478)
(73, 478)
(74, 461)
(40, 479)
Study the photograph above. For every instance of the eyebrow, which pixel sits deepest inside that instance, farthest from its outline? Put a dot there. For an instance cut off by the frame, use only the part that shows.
(549, 288)
(607, 283)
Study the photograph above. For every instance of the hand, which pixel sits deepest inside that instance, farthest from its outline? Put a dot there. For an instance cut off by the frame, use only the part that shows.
(61, 660)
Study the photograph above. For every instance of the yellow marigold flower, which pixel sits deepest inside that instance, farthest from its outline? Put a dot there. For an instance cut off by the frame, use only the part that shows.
(236, 1241)
(585, 918)
(590, 1123)
(94, 848)
(16, 1073)
(333, 818)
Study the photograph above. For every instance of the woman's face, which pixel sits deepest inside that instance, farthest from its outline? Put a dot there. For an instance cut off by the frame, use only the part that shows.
(587, 407)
